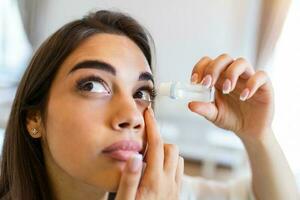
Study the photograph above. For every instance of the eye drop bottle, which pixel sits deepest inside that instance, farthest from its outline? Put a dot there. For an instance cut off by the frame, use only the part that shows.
(186, 91)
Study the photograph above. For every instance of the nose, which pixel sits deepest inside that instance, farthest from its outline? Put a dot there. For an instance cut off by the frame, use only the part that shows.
(127, 115)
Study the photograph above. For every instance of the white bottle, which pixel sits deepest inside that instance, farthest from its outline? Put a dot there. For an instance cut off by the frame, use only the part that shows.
(186, 91)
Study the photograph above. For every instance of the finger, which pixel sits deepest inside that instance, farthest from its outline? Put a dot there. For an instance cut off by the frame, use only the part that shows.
(256, 81)
(207, 110)
(197, 72)
(240, 68)
(155, 152)
(130, 178)
(179, 171)
(214, 69)
(171, 158)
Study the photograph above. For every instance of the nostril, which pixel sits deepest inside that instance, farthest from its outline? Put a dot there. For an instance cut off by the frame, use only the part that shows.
(124, 125)
(137, 126)
(127, 125)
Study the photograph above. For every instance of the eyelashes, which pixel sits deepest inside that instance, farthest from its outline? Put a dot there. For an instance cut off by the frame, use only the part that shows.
(87, 84)
(151, 92)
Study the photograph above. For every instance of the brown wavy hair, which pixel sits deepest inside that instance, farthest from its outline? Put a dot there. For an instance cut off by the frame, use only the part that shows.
(23, 171)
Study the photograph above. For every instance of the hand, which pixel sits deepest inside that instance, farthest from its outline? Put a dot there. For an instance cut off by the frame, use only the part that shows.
(244, 98)
(163, 172)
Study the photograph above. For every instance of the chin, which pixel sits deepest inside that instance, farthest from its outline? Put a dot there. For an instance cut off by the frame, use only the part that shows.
(108, 180)
(113, 181)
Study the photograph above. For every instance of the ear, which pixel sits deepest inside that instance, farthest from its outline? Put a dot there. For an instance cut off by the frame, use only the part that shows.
(34, 123)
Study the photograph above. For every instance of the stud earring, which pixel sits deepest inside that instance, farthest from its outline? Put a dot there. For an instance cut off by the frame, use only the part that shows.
(34, 131)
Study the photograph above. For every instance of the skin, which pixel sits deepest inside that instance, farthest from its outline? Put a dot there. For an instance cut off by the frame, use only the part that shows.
(250, 118)
(81, 173)
(73, 145)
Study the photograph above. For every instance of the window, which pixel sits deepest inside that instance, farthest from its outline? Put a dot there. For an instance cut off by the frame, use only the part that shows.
(286, 80)
(14, 54)
(14, 47)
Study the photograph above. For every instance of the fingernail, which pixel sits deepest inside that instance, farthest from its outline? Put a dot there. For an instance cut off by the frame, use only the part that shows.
(226, 86)
(206, 82)
(194, 78)
(135, 162)
(244, 94)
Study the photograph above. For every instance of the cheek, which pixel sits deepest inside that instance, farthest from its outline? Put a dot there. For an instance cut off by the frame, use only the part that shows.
(76, 133)
(75, 136)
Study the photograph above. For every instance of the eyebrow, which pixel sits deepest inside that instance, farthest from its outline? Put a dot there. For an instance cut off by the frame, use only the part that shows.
(94, 64)
(104, 66)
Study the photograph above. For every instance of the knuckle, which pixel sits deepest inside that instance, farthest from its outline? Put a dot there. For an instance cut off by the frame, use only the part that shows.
(205, 58)
(200, 63)
(225, 56)
(262, 73)
(241, 60)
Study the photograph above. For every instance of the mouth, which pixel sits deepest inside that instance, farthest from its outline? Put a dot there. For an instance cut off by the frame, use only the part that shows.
(122, 150)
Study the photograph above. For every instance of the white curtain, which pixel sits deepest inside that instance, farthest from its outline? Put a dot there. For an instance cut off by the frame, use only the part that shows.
(28, 10)
(14, 55)
(287, 88)
(14, 47)
(273, 16)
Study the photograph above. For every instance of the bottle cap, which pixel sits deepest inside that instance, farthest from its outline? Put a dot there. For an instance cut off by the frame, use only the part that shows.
(164, 89)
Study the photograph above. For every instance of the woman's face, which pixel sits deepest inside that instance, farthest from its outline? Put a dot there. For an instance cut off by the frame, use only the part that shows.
(94, 119)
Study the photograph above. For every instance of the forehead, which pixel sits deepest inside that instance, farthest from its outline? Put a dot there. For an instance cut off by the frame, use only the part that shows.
(117, 50)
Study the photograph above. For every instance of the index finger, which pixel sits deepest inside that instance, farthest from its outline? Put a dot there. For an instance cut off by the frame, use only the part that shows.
(130, 179)
(155, 152)
(200, 67)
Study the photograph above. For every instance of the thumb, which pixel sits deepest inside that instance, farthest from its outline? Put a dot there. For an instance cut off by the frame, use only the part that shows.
(207, 110)
(130, 178)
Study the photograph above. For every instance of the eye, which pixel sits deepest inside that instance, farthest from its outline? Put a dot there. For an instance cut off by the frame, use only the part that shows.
(145, 93)
(92, 84)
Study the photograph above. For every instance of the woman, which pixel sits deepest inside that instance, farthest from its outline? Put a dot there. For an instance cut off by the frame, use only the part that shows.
(82, 118)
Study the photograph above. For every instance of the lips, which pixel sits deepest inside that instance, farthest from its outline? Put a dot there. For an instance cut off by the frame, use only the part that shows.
(122, 150)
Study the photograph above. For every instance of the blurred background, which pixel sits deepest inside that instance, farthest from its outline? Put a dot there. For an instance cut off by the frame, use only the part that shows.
(265, 32)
